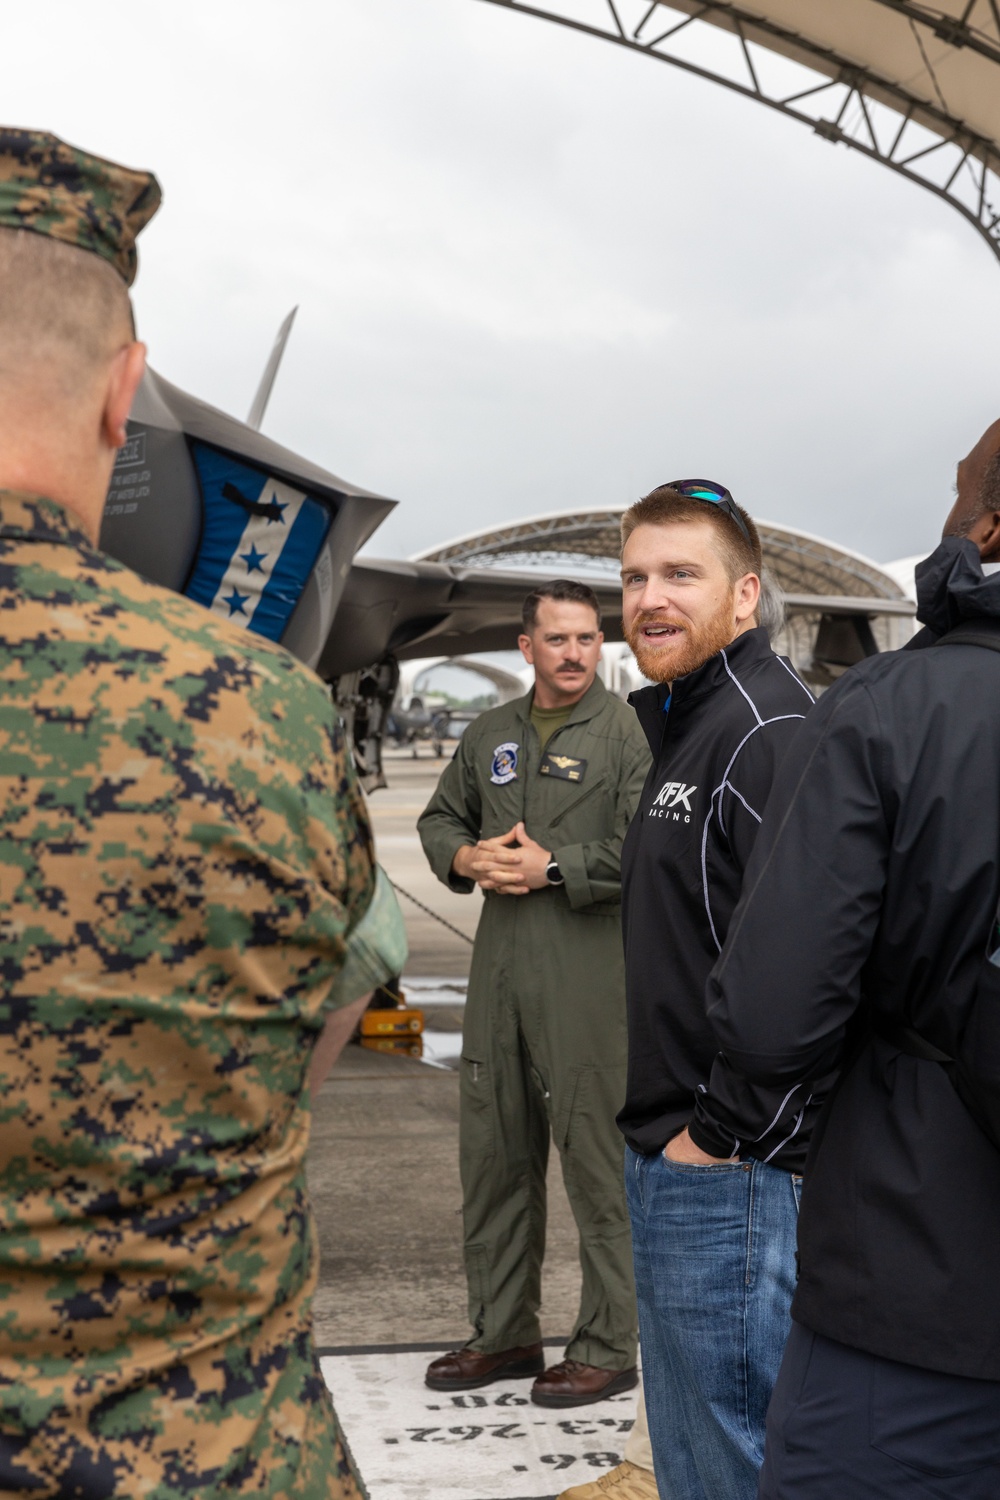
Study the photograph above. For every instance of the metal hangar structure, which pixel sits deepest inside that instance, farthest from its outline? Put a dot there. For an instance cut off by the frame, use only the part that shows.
(913, 86)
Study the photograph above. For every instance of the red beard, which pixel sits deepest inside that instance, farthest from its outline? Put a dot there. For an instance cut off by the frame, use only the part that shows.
(685, 652)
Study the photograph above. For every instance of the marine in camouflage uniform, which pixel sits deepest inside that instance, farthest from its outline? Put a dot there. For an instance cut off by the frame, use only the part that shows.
(183, 852)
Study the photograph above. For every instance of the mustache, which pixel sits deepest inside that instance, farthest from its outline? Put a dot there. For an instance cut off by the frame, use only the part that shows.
(571, 668)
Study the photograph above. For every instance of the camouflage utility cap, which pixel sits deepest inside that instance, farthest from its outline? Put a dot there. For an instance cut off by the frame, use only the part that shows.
(55, 189)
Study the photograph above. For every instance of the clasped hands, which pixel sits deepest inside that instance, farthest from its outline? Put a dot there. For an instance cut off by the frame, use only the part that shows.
(512, 863)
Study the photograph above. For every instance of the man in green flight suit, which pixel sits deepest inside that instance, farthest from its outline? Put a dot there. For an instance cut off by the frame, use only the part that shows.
(533, 810)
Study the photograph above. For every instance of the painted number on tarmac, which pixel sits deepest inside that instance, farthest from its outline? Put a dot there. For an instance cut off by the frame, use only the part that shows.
(464, 1434)
(507, 1399)
(606, 1460)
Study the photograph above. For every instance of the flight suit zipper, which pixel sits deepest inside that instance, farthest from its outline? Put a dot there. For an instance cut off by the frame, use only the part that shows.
(589, 792)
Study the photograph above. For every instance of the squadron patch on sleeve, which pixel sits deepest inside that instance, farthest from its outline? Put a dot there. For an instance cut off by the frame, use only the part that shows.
(504, 767)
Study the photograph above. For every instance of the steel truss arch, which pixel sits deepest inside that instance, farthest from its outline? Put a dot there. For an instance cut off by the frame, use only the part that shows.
(928, 143)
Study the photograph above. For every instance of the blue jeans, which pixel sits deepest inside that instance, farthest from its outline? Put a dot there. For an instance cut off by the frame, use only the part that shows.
(714, 1255)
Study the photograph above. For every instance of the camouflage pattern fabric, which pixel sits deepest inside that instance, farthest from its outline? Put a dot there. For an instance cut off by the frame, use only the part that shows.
(56, 189)
(183, 849)
(350, 1489)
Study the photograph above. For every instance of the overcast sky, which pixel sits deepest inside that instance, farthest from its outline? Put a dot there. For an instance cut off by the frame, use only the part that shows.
(535, 272)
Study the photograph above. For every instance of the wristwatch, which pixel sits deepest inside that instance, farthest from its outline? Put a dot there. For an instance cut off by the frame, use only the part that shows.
(553, 874)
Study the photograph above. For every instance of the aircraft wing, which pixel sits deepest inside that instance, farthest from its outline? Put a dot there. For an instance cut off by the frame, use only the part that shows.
(410, 609)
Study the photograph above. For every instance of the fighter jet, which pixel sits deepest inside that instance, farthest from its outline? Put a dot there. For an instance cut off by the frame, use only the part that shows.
(207, 505)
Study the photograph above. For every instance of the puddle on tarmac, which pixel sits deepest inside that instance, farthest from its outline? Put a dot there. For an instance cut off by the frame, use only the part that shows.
(439, 1049)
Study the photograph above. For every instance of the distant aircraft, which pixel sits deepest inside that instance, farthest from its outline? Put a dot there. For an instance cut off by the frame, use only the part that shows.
(409, 724)
(205, 504)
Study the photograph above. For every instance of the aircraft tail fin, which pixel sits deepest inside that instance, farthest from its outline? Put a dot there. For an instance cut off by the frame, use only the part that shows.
(267, 380)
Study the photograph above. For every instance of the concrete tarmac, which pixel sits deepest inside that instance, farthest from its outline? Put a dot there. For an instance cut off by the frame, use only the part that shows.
(383, 1163)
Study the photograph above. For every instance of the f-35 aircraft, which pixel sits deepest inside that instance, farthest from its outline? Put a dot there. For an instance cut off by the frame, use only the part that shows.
(205, 504)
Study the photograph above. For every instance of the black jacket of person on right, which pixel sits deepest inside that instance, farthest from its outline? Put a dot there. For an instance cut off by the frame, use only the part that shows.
(873, 887)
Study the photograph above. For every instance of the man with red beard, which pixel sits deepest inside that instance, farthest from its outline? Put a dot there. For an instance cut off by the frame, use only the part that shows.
(713, 1204)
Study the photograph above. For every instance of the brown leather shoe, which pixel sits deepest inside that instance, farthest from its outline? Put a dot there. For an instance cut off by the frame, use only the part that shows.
(571, 1383)
(464, 1369)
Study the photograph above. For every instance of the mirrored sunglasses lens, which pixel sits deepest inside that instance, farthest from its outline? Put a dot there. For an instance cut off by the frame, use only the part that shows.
(696, 490)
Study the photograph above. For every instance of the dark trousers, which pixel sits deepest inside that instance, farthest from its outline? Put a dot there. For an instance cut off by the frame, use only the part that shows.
(845, 1425)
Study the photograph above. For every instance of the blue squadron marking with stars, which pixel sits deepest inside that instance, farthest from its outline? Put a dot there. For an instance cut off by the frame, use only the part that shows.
(260, 540)
(236, 602)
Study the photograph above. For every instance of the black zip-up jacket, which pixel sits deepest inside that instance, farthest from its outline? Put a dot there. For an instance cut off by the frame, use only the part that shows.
(873, 888)
(715, 751)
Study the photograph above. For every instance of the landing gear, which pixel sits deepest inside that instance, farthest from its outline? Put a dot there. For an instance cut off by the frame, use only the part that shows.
(364, 700)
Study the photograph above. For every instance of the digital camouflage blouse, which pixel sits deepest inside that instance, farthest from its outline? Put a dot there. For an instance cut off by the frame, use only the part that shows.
(182, 849)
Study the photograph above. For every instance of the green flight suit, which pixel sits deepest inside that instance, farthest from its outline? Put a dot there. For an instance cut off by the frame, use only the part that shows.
(544, 1046)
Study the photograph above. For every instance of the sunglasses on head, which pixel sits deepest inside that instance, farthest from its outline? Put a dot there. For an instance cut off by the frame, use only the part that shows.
(712, 494)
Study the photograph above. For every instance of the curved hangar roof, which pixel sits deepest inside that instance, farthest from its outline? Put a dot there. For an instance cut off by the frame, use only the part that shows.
(805, 566)
(913, 85)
